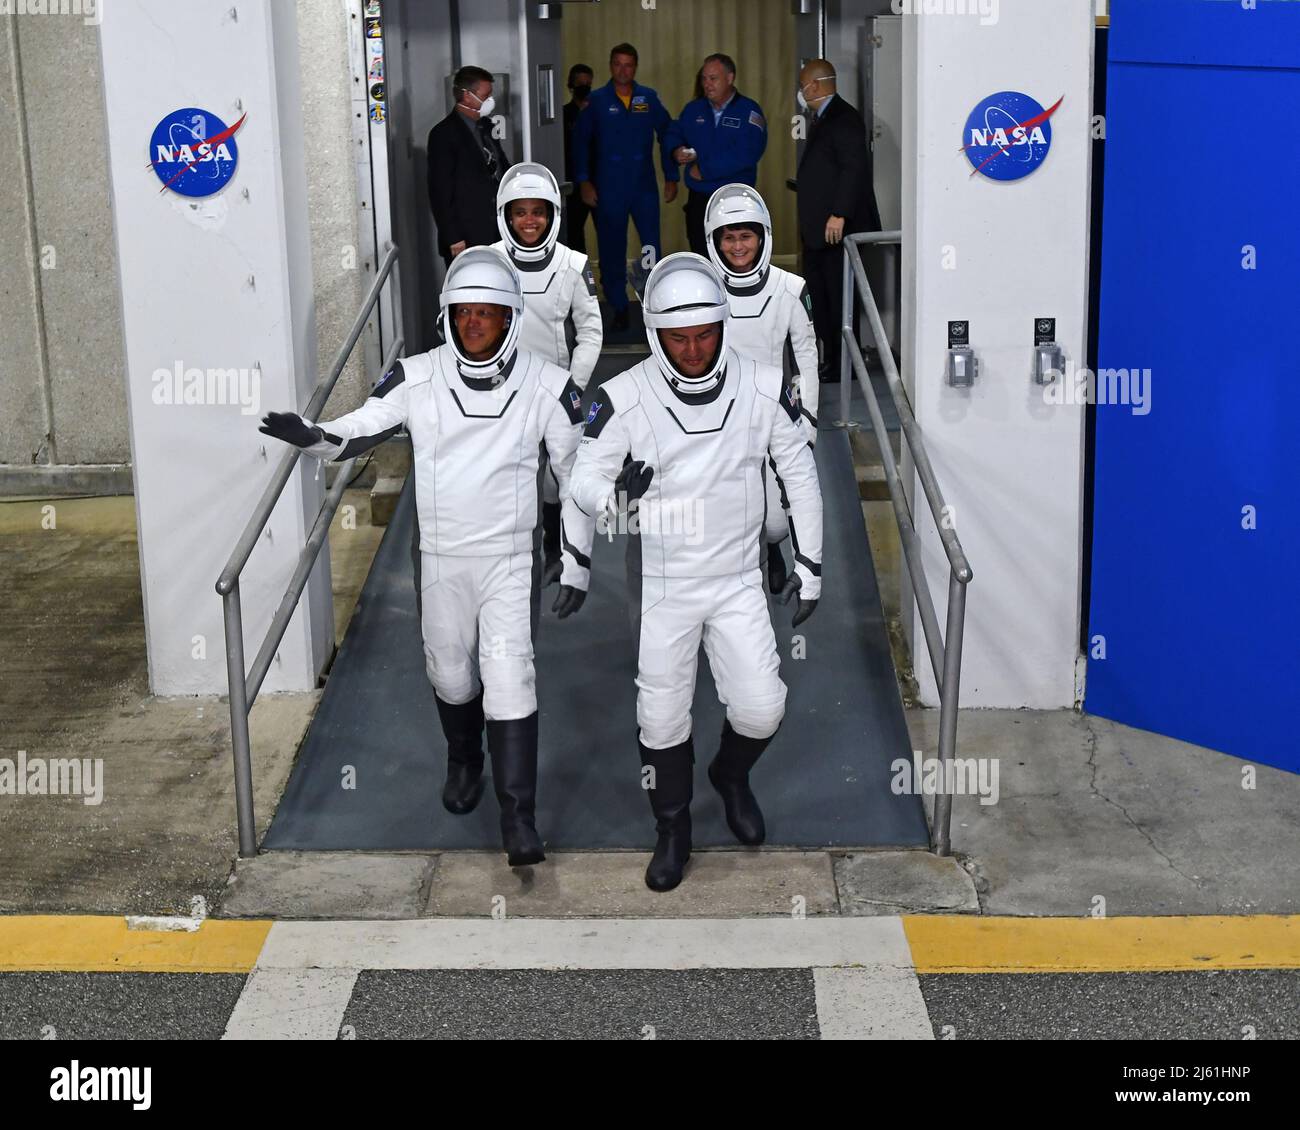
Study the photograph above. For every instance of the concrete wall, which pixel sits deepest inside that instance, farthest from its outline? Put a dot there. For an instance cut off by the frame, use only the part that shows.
(63, 411)
(1009, 462)
(223, 283)
(338, 282)
(24, 421)
(63, 372)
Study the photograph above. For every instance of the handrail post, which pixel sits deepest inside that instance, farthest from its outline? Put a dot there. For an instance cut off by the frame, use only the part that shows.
(948, 698)
(239, 721)
(945, 654)
(244, 688)
(846, 323)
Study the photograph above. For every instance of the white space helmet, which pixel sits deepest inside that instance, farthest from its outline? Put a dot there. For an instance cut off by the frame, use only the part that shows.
(738, 204)
(528, 181)
(482, 274)
(685, 290)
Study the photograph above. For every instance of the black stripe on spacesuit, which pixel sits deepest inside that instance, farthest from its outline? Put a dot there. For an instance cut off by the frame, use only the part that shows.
(362, 444)
(811, 566)
(391, 379)
(749, 291)
(702, 399)
(571, 399)
(743, 292)
(780, 486)
(487, 384)
(790, 402)
(581, 558)
(597, 419)
(483, 415)
(532, 265)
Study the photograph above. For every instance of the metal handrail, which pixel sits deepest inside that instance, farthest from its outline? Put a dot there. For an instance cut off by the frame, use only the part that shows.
(244, 688)
(945, 650)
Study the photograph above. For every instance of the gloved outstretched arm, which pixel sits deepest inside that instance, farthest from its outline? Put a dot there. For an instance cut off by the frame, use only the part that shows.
(794, 461)
(291, 428)
(381, 416)
(563, 430)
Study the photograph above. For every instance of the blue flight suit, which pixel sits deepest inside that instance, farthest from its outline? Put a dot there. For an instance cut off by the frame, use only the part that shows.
(728, 150)
(613, 147)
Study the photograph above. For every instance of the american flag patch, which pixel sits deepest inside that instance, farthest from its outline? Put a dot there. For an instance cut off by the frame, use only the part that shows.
(756, 119)
(575, 399)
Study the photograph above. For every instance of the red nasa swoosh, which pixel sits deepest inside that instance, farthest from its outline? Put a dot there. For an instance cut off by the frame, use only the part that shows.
(1027, 126)
(212, 143)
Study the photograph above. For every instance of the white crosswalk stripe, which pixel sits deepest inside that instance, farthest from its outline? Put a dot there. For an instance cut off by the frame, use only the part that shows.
(865, 985)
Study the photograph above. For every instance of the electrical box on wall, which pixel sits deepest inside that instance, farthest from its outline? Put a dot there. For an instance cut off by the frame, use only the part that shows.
(1049, 359)
(963, 365)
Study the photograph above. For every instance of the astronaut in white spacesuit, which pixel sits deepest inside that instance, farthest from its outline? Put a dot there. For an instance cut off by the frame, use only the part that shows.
(477, 410)
(700, 424)
(771, 321)
(558, 286)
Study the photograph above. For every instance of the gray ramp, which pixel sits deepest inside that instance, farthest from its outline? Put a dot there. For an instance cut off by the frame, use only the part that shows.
(824, 781)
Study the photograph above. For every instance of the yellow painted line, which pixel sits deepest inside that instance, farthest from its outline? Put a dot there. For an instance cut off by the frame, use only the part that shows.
(959, 944)
(76, 517)
(68, 943)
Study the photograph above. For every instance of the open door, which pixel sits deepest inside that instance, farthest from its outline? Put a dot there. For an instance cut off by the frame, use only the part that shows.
(1194, 615)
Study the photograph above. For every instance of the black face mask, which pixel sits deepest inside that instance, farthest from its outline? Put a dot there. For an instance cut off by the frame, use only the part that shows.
(581, 93)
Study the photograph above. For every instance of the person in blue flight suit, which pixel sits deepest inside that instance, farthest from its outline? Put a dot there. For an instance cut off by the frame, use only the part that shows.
(718, 139)
(613, 161)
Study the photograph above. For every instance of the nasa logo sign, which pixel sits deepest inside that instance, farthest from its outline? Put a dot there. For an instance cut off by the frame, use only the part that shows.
(1008, 135)
(194, 152)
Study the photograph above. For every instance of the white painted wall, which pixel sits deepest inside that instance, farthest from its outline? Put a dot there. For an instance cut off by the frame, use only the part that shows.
(1009, 463)
(220, 283)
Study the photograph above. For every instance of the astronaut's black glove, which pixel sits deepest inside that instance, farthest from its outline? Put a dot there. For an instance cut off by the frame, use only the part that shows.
(552, 572)
(291, 428)
(634, 480)
(806, 607)
(568, 601)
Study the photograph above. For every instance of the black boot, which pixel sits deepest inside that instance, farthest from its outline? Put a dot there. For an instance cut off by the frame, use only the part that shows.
(729, 773)
(670, 800)
(513, 745)
(550, 535)
(463, 726)
(776, 570)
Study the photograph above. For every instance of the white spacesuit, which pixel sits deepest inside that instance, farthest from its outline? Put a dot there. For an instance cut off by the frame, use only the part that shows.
(771, 320)
(558, 285)
(700, 435)
(476, 423)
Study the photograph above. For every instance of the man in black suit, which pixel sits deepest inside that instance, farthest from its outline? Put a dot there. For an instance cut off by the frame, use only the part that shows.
(836, 198)
(575, 211)
(465, 166)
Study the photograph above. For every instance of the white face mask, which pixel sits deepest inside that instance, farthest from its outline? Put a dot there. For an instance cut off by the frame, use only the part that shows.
(485, 106)
(804, 104)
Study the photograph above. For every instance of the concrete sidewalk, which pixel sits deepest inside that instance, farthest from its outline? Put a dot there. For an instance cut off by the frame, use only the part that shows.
(1087, 810)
